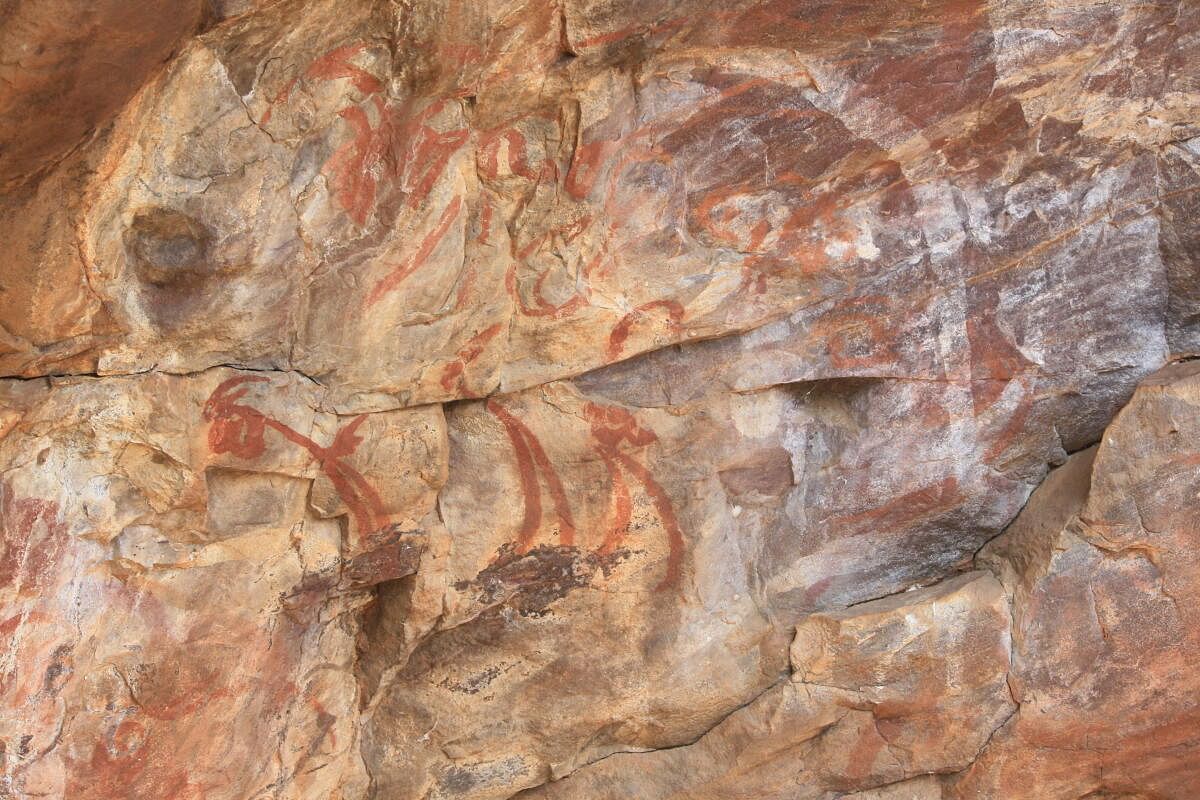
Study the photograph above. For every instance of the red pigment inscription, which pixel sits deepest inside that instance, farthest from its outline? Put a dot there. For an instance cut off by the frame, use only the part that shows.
(616, 339)
(453, 375)
(541, 307)
(866, 750)
(409, 150)
(648, 31)
(351, 167)
(28, 557)
(239, 429)
(532, 460)
(995, 362)
(334, 64)
(517, 156)
(612, 427)
(908, 507)
(585, 167)
(401, 271)
(857, 335)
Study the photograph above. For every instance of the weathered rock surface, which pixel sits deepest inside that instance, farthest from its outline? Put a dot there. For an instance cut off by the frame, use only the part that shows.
(908, 685)
(1105, 639)
(565, 398)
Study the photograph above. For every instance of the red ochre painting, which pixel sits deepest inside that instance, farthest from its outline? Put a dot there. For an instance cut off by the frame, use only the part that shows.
(614, 433)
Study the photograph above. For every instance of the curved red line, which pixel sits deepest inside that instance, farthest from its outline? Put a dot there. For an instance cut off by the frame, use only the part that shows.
(525, 468)
(666, 513)
(620, 332)
(428, 244)
(619, 500)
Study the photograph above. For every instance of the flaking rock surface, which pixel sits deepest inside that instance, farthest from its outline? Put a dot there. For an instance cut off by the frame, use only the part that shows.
(473, 399)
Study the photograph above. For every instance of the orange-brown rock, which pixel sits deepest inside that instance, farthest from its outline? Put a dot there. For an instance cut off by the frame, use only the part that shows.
(909, 685)
(455, 400)
(1105, 580)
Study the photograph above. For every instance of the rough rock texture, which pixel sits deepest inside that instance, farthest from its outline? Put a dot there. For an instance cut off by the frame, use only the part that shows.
(584, 399)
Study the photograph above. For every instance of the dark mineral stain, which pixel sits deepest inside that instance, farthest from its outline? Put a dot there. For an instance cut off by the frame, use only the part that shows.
(458, 780)
(168, 247)
(530, 582)
(392, 555)
(767, 473)
(473, 684)
(170, 252)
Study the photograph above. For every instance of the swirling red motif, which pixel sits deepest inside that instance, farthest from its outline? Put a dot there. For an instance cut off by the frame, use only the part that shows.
(240, 429)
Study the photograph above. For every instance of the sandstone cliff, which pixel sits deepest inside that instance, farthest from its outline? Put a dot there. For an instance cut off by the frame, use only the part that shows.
(484, 399)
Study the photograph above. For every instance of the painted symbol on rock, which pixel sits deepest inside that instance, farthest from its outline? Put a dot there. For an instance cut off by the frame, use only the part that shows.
(996, 362)
(612, 429)
(401, 271)
(454, 374)
(386, 144)
(33, 539)
(621, 331)
(240, 430)
(532, 462)
(537, 305)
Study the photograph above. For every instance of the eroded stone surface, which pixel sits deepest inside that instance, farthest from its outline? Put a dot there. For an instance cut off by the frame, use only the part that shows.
(471, 396)
(1105, 639)
(881, 692)
(182, 566)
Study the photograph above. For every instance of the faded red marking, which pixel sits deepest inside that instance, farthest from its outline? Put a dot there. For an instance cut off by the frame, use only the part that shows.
(350, 167)
(331, 66)
(856, 334)
(1015, 425)
(124, 774)
(758, 233)
(324, 724)
(239, 429)
(434, 151)
(337, 64)
(375, 150)
(994, 360)
(542, 307)
(621, 503)
(485, 223)
(862, 758)
(22, 673)
(465, 285)
(28, 559)
(183, 689)
(623, 33)
(428, 245)
(425, 150)
(532, 460)
(281, 97)
(716, 222)
(753, 281)
(611, 427)
(801, 238)
(620, 332)
(909, 506)
(453, 373)
(585, 167)
(518, 155)
(815, 590)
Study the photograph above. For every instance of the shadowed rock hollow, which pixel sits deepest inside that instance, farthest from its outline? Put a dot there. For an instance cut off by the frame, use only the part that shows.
(448, 400)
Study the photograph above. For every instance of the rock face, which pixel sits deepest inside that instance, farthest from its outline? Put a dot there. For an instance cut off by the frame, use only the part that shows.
(576, 399)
